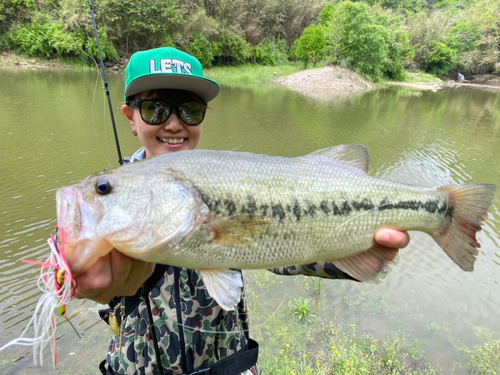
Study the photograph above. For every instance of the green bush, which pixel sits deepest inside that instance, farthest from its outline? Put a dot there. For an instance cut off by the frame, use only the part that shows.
(34, 38)
(270, 52)
(232, 47)
(47, 38)
(201, 48)
(107, 49)
(440, 59)
(400, 54)
(65, 43)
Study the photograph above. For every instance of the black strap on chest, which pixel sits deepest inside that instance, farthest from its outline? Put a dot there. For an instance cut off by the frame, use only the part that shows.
(236, 363)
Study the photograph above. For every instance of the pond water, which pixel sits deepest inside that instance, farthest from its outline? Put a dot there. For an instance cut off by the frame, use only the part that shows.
(56, 130)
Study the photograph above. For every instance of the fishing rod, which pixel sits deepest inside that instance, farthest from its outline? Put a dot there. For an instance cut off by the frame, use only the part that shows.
(103, 68)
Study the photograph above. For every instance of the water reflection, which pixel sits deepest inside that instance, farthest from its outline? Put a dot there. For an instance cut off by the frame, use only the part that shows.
(56, 131)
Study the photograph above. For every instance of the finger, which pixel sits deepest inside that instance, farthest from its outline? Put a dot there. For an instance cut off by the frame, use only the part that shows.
(392, 238)
(103, 281)
(120, 269)
(95, 279)
(138, 275)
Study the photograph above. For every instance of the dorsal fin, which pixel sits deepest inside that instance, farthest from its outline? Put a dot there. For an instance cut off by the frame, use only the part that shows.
(356, 155)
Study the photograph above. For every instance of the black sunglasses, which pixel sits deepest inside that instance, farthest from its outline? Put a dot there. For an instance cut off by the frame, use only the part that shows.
(156, 112)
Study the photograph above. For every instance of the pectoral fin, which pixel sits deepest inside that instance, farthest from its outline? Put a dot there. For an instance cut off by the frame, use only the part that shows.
(240, 230)
(369, 266)
(225, 286)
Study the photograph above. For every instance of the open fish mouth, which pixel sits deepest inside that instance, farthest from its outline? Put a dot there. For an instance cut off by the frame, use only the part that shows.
(74, 216)
(66, 199)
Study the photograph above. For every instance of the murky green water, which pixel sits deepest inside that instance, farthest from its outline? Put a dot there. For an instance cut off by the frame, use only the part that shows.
(55, 130)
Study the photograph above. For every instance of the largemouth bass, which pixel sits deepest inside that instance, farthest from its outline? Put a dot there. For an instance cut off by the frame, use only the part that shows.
(221, 211)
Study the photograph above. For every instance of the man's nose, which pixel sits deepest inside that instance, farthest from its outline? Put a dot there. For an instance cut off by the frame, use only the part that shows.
(173, 122)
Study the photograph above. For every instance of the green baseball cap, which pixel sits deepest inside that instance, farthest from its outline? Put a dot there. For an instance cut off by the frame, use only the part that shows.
(167, 68)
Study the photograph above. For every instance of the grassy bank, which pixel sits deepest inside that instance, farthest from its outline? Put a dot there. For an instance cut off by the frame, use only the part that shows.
(251, 74)
(415, 76)
(311, 335)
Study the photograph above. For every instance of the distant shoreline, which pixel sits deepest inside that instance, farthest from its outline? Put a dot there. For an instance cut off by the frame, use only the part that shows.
(320, 82)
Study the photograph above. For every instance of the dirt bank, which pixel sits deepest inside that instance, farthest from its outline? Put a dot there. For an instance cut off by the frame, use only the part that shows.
(326, 81)
(11, 59)
(330, 81)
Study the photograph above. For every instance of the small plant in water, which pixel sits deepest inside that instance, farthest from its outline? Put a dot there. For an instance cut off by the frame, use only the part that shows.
(301, 309)
(433, 327)
(317, 284)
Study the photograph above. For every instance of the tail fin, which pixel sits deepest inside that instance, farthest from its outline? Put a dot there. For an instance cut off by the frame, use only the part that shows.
(468, 207)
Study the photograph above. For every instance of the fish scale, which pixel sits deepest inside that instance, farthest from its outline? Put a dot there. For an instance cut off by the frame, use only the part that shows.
(217, 211)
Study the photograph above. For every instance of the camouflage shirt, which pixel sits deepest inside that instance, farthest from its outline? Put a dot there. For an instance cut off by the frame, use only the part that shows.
(192, 331)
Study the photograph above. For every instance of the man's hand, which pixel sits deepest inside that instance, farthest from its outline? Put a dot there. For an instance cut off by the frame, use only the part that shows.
(114, 274)
(391, 240)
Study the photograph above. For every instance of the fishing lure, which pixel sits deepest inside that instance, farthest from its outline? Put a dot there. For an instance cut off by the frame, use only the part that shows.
(58, 286)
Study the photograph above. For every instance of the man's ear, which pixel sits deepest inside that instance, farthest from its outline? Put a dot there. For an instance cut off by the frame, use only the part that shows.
(127, 111)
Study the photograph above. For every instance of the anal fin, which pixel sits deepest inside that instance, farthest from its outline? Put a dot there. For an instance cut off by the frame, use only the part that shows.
(369, 266)
(225, 286)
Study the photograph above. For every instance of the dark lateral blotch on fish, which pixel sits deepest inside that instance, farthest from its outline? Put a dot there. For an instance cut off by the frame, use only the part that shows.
(333, 208)
(431, 206)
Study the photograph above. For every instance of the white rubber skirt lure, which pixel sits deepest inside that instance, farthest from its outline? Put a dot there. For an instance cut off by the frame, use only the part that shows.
(58, 287)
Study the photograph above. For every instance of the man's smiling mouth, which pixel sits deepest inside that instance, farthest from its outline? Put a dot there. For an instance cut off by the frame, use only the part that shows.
(172, 141)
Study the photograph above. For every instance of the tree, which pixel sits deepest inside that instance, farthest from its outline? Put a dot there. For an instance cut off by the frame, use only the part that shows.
(362, 36)
(311, 45)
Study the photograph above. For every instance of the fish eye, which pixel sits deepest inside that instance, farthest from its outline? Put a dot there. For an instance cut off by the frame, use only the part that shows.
(104, 186)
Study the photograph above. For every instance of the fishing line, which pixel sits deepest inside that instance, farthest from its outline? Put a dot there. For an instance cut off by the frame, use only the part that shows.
(99, 79)
(273, 315)
(72, 326)
(106, 88)
(91, 326)
(144, 329)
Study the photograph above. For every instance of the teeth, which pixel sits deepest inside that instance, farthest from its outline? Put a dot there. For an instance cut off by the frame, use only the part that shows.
(172, 141)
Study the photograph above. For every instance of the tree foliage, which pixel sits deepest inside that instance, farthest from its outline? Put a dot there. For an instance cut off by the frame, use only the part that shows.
(311, 45)
(379, 38)
(270, 52)
(363, 36)
(440, 59)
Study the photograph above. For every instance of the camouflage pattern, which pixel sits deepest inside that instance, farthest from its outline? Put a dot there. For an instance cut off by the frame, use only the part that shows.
(209, 332)
(324, 270)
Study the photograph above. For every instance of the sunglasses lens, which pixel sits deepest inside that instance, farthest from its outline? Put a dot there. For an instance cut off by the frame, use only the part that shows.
(192, 113)
(154, 112)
